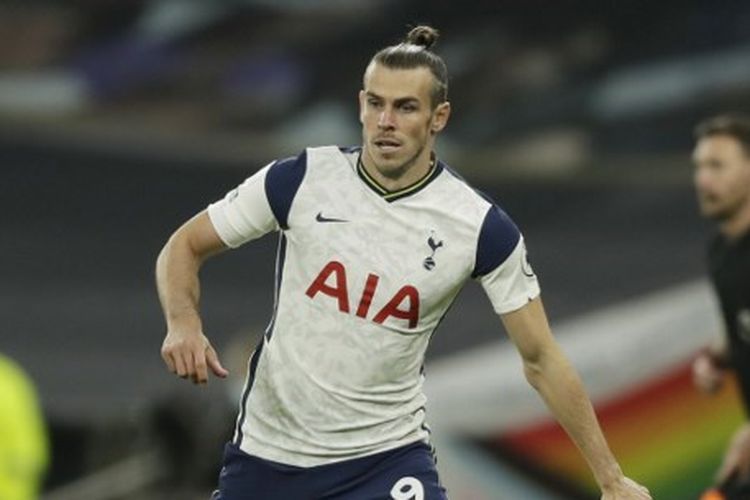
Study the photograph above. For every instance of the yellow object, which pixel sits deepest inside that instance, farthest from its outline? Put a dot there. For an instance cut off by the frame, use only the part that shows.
(24, 447)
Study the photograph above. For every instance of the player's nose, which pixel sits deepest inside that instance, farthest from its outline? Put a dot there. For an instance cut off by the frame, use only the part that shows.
(386, 119)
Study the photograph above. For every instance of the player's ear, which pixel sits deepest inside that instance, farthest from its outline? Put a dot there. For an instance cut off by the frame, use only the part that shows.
(440, 117)
(362, 107)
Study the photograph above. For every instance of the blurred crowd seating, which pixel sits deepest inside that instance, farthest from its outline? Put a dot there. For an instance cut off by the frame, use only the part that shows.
(538, 84)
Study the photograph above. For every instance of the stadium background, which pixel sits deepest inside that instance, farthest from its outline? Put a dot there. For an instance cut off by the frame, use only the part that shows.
(120, 119)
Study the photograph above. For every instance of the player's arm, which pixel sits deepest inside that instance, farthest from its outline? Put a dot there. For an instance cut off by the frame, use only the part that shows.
(186, 350)
(548, 370)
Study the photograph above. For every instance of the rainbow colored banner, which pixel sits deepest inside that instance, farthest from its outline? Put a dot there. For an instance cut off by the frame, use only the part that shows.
(664, 433)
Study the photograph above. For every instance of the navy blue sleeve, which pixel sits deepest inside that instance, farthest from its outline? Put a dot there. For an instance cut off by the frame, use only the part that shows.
(282, 182)
(497, 239)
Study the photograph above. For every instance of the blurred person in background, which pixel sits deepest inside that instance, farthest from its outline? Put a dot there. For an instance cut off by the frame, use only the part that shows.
(376, 242)
(24, 446)
(722, 182)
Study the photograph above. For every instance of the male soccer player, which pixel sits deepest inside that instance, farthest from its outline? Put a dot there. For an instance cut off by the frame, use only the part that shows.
(376, 242)
(722, 182)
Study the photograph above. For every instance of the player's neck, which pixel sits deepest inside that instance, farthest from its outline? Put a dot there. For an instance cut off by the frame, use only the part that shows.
(738, 225)
(402, 178)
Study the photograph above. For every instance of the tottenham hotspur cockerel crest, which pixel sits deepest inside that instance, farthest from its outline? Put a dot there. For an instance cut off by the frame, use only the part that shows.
(434, 244)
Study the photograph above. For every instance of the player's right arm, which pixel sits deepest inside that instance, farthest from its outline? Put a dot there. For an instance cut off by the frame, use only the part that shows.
(186, 350)
(257, 206)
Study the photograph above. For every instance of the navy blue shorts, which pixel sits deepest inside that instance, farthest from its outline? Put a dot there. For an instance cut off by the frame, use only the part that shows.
(406, 473)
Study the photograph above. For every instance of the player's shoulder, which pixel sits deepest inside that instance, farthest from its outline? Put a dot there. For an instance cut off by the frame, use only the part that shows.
(462, 189)
(304, 156)
(498, 235)
(460, 186)
(319, 158)
(330, 152)
(312, 157)
(716, 246)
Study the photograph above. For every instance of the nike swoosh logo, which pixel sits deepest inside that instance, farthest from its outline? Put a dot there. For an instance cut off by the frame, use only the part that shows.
(321, 218)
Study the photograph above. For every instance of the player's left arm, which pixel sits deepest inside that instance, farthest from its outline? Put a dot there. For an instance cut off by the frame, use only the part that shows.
(548, 370)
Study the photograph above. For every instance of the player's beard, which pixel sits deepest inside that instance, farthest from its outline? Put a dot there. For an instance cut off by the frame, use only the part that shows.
(398, 171)
(713, 208)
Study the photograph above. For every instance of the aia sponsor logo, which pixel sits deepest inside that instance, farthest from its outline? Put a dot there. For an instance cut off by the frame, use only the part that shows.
(332, 281)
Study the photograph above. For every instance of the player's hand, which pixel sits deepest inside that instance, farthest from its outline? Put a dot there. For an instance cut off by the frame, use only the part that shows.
(737, 457)
(190, 355)
(626, 489)
(707, 377)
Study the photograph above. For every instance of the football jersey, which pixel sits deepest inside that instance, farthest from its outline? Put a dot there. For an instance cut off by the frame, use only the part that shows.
(363, 278)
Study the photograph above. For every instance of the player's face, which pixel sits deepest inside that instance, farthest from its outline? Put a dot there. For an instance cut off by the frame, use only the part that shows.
(721, 177)
(398, 121)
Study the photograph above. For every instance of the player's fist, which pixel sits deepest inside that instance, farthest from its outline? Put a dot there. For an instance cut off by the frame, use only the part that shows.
(737, 457)
(190, 355)
(707, 376)
(626, 489)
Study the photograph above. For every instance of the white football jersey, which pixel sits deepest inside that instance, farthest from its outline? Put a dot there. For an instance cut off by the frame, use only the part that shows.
(363, 278)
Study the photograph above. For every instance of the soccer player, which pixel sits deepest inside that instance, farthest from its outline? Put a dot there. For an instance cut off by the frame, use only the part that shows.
(722, 182)
(375, 243)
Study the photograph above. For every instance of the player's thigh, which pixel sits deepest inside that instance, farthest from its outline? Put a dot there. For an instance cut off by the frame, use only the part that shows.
(244, 477)
(419, 486)
(411, 476)
(411, 486)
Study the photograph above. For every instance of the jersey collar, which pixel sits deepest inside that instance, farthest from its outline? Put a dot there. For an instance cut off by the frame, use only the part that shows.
(435, 168)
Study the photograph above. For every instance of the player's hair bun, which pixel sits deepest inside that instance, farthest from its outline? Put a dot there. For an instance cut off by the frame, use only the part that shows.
(423, 36)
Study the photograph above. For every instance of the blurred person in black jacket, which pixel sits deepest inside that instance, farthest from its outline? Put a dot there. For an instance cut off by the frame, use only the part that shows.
(722, 182)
